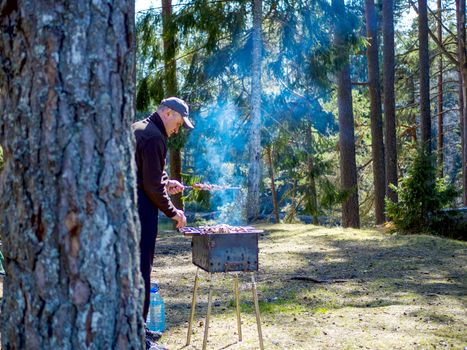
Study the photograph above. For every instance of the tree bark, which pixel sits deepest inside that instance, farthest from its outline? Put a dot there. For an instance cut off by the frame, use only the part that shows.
(68, 212)
(348, 167)
(377, 146)
(389, 99)
(440, 143)
(254, 172)
(273, 183)
(171, 89)
(462, 53)
(463, 139)
(423, 54)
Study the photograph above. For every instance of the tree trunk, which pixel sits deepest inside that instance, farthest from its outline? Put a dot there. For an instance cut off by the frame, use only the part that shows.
(254, 172)
(377, 146)
(462, 53)
(412, 116)
(291, 216)
(68, 211)
(313, 198)
(461, 122)
(175, 156)
(348, 167)
(440, 109)
(389, 99)
(170, 68)
(273, 183)
(423, 54)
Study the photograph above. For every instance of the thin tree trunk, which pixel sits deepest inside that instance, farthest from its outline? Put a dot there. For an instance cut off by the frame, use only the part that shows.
(389, 99)
(68, 212)
(311, 174)
(423, 53)
(273, 183)
(348, 167)
(171, 89)
(175, 173)
(462, 53)
(170, 48)
(377, 146)
(463, 139)
(440, 147)
(254, 172)
(412, 117)
(292, 214)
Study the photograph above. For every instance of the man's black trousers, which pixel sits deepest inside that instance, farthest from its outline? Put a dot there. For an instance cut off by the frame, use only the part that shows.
(148, 214)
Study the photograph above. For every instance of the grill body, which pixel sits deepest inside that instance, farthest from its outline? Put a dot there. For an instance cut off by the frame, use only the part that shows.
(225, 252)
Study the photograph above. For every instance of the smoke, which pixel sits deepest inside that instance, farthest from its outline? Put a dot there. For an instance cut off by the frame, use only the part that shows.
(219, 144)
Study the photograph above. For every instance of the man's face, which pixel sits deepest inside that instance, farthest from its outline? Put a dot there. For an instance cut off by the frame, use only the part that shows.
(174, 122)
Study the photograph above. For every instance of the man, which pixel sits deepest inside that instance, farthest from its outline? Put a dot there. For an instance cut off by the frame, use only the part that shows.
(153, 184)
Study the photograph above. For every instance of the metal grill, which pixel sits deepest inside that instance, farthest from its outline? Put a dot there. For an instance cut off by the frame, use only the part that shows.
(224, 252)
(224, 248)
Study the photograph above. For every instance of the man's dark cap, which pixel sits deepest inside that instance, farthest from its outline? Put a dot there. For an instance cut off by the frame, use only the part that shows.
(178, 105)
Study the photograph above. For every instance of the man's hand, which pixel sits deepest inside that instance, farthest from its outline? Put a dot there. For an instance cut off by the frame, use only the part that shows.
(174, 187)
(180, 219)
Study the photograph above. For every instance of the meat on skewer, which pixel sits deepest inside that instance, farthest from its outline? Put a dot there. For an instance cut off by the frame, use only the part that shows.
(214, 229)
(210, 187)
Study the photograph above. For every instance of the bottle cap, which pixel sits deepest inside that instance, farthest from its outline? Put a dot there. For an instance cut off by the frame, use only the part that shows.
(154, 288)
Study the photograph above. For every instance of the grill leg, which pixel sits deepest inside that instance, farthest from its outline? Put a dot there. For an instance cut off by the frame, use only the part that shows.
(258, 319)
(237, 302)
(193, 306)
(206, 325)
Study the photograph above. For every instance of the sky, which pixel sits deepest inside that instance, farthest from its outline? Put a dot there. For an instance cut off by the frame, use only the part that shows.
(145, 4)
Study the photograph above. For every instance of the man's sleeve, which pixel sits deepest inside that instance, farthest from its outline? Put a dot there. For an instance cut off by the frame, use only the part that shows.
(154, 176)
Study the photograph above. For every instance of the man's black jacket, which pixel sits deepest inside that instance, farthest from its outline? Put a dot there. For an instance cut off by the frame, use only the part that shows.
(151, 150)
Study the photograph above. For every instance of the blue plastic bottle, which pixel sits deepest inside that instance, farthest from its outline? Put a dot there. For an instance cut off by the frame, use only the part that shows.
(156, 316)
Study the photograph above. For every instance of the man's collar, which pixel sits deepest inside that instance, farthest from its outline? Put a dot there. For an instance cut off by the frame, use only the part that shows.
(156, 119)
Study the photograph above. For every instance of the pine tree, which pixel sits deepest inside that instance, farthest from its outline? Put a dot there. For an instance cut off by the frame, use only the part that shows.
(424, 74)
(348, 167)
(68, 211)
(377, 146)
(254, 172)
(389, 99)
(462, 59)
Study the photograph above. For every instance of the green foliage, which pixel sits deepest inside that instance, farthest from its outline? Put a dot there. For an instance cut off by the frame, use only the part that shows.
(421, 196)
(142, 95)
(213, 61)
(178, 140)
(334, 196)
(291, 153)
(196, 197)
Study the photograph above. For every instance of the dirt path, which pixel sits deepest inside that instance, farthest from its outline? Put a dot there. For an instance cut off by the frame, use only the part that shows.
(322, 288)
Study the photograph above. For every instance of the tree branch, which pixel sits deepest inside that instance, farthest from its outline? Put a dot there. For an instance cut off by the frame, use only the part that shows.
(435, 39)
(439, 21)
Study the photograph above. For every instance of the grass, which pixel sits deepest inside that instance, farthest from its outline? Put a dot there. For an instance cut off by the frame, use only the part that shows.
(379, 291)
(359, 289)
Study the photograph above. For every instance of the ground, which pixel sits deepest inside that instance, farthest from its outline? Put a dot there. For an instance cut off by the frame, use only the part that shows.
(323, 288)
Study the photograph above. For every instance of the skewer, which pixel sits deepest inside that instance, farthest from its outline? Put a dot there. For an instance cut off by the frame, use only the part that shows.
(213, 189)
(218, 229)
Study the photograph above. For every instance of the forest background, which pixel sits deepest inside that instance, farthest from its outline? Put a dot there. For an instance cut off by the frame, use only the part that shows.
(204, 52)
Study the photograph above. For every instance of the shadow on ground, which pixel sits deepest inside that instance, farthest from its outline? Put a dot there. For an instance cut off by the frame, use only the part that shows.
(319, 284)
